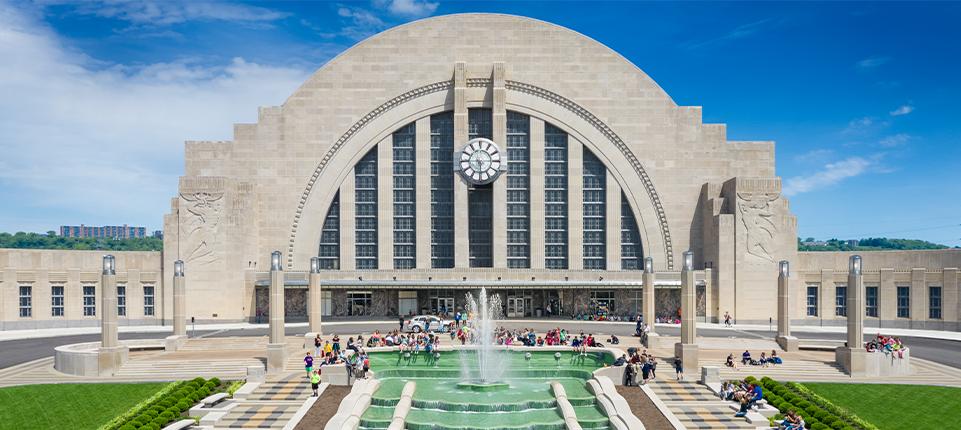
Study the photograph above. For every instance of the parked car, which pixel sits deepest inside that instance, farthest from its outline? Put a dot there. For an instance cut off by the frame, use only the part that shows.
(418, 324)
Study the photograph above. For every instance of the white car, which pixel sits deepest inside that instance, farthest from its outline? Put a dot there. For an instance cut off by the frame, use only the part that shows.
(419, 324)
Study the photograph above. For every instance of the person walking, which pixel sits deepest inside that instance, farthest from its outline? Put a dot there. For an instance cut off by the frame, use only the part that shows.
(315, 381)
(727, 319)
(678, 368)
(401, 322)
(653, 368)
(336, 344)
(318, 345)
(308, 363)
(645, 371)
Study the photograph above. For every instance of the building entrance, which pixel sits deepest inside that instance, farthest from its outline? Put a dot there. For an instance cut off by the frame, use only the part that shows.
(516, 307)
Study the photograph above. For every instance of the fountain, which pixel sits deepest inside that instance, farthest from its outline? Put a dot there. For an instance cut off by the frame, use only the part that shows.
(491, 362)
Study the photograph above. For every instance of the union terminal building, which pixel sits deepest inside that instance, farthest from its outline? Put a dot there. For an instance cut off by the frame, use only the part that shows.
(429, 161)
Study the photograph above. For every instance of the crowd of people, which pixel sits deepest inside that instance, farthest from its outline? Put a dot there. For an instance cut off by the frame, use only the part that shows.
(329, 353)
(641, 367)
(745, 394)
(887, 345)
(764, 360)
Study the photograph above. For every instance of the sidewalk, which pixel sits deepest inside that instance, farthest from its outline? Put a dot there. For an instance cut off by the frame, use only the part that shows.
(53, 332)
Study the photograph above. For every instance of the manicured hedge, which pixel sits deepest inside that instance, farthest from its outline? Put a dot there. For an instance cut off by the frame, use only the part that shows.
(818, 413)
(168, 405)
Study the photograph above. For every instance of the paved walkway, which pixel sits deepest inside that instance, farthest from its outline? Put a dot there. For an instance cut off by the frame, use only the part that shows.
(696, 406)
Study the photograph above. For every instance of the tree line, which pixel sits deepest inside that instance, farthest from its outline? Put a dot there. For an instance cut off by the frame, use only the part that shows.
(869, 244)
(51, 240)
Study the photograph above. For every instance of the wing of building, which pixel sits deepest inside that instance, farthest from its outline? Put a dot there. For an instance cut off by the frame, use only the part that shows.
(500, 151)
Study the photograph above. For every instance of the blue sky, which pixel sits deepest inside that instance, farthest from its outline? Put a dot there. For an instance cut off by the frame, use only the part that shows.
(861, 98)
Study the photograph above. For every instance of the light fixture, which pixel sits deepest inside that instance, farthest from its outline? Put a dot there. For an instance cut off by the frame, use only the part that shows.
(178, 269)
(649, 264)
(314, 264)
(855, 265)
(784, 267)
(688, 260)
(109, 265)
(276, 261)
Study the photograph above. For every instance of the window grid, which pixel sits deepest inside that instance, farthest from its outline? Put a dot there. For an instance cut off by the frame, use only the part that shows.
(841, 300)
(812, 296)
(89, 300)
(121, 300)
(871, 301)
(405, 221)
(26, 301)
(480, 123)
(56, 301)
(904, 302)
(365, 212)
(518, 190)
(595, 248)
(329, 251)
(632, 255)
(148, 300)
(480, 235)
(934, 302)
(555, 198)
(442, 190)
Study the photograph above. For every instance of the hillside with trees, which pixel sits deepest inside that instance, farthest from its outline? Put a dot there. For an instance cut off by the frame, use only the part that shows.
(51, 240)
(869, 244)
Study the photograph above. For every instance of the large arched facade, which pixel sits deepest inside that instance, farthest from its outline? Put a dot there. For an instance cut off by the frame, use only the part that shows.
(601, 169)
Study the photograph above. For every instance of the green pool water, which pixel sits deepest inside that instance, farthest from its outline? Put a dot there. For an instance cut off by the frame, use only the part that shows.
(528, 402)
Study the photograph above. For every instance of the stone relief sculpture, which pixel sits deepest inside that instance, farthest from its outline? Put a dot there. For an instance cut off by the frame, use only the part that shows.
(203, 211)
(758, 219)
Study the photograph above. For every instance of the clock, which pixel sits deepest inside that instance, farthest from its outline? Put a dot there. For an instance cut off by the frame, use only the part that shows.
(480, 161)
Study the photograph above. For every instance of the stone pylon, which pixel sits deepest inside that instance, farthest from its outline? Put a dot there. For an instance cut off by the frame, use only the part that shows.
(111, 354)
(277, 345)
(853, 357)
(784, 339)
(179, 337)
(313, 304)
(648, 302)
(686, 350)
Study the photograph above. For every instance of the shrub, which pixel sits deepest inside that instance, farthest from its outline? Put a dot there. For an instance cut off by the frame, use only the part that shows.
(216, 381)
(819, 426)
(127, 427)
(159, 422)
(183, 405)
(173, 411)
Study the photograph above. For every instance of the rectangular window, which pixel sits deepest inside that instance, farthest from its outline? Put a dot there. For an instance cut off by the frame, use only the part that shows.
(871, 301)
(326, 303)
(841, 300)
(904, 302)
(89, 300)
(555, 197)
(359, 303)
(148, 301)
(365, 215)
(121, 300)
(934, 303)
(595, 211)
(329, 252)
(405, 189)
(26, 301)
(632, 256)
(442, 191)
(480, 202)
(56, 301)
(518, 190)
(602, 300)
(812, 304)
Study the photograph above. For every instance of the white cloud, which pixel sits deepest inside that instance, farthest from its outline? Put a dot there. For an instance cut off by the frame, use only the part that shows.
(872, 62)
(860, 125)
(360, 23)
(412, 8)
(830, 174)
(80, 135)
(167, 12)
(814, 156)
(902, 110)
(739, 32)
(895, 140)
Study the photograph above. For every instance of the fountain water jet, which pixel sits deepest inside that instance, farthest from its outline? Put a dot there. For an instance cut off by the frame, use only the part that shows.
(491, 362)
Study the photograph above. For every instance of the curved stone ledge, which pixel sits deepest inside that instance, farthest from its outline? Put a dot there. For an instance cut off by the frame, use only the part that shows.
(566, 409)
(613, 404)
(352, 407)
(83, 359)
(403, 406)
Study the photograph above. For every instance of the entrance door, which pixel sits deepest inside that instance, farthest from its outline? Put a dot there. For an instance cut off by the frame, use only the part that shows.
(407, 302)
(515, 307)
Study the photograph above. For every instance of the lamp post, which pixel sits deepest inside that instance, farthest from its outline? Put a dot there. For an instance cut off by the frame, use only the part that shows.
(649, 310)
(180, 300)
(313, 297)
(111, 354)
(277, 345)
(784, 339)
(853, 357)
(686, 350)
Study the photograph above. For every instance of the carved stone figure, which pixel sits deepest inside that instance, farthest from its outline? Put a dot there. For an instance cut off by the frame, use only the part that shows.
(758, 219)
(200, 218)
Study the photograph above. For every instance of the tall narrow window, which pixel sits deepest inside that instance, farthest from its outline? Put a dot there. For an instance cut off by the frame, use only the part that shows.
(329, 252)
(405, 229)
(841, 300)
(555, 197)
(631, 253)
(480, 199)
(934, 303)
(871, 301)
(365, 211)
(812, 304)
(518, 190)
(89, 300)
(595, 211)
(56, 301)
(26, 301)
(121, 300)
(148, 300)
(904, 302)
(442, 190)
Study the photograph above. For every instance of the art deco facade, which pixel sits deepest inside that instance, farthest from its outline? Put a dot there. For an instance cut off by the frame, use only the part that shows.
(496, 151)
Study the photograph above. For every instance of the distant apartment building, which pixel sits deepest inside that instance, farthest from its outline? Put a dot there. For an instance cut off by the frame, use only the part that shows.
(159, 234)
(107, 231)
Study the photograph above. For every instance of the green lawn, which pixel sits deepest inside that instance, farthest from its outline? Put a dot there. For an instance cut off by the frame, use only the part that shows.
(894, 407)
(69, 406)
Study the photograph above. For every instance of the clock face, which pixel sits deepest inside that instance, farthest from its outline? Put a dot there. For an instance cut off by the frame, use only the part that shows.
(480, 161)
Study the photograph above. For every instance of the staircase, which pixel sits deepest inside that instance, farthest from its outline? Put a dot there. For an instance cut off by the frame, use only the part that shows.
(696, 406)
(791, 370)
(271, 405)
